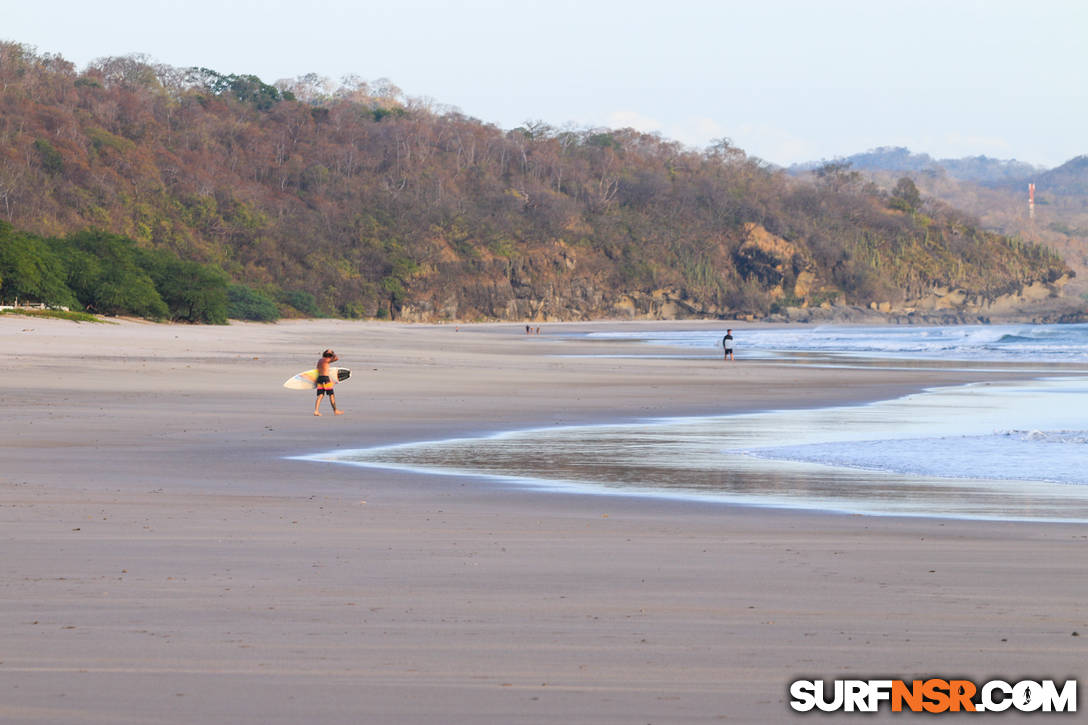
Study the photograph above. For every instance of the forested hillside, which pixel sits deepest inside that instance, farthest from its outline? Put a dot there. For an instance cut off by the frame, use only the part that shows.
(352, 200)
(996, 192)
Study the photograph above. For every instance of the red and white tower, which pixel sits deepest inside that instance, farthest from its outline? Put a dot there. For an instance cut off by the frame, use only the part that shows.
(1031, 201)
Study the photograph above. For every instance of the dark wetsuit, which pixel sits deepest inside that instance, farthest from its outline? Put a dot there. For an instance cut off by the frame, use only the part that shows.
(727, 344)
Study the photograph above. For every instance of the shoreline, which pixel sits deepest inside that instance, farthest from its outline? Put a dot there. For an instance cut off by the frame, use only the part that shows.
(519, 458)
(164, 565)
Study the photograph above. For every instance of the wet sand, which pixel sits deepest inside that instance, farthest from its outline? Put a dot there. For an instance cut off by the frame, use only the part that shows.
(165, 563)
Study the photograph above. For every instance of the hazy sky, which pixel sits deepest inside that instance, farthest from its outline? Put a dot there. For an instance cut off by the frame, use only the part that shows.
(786, 80)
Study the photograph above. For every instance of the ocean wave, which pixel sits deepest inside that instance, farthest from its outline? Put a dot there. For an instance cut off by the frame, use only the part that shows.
(1056, 456)
(1037, 343)
(1075, 437)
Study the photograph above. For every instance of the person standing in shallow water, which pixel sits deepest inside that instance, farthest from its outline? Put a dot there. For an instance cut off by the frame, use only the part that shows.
(325, 382)
(727, 345)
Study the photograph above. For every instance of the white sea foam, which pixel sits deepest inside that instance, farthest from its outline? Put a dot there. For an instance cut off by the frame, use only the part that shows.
(1074, 437)
(1014, 343)
(1052, 456)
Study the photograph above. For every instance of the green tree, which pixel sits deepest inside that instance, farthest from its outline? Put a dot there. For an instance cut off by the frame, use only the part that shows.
(245, 303)
(905, 196)
(193, 292)
(104, 274)
(50, 157)
(246, 88)
(302, 301)
(30, 270)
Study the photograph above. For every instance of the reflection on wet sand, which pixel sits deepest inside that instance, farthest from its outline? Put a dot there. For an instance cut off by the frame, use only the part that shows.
(707, 458)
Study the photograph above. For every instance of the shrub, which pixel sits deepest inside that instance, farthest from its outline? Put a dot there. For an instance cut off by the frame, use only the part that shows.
(302, 301)
(245, 303)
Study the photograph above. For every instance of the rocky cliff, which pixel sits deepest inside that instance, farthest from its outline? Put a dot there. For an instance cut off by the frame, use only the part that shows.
(562, 283)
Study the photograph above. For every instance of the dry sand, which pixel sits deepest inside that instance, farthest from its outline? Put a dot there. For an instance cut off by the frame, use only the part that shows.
(164, 563)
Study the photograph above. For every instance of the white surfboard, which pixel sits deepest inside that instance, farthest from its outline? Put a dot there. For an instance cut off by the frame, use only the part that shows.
(308, 379)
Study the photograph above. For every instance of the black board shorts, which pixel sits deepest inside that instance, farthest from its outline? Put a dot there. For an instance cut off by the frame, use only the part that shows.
(324, 385)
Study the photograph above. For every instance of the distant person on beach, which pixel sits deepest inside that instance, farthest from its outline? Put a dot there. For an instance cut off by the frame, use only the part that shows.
(325, 382)
(528, 330)
(727, 345)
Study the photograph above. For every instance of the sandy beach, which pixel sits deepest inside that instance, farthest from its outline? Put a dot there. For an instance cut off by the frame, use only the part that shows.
(165, 562)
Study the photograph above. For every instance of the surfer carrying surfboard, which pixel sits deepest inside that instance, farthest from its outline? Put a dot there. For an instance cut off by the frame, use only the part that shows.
(325, 382)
